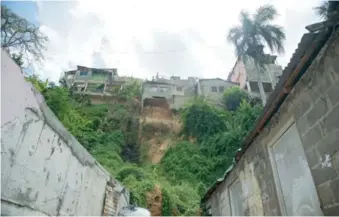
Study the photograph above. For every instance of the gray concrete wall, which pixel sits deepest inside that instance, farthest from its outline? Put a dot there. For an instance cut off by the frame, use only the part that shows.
(205, 89)
(313, 106)
(44, 169)
(270, 75)
(174, 98)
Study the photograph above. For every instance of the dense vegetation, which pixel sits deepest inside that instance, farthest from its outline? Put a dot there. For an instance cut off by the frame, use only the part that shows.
(185, 171)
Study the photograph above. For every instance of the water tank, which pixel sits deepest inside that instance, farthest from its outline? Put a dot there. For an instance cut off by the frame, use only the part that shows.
(133, 211)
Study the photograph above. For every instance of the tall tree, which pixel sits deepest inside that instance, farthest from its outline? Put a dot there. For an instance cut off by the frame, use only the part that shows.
(328, 10)
(19, 35)
(252, 35)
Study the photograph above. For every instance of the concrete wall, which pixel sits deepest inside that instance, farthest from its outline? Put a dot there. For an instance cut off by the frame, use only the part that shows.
(313, 107)
(270, 75)
(175, 99)
(239, 74)
(205, 88)
(44, 169)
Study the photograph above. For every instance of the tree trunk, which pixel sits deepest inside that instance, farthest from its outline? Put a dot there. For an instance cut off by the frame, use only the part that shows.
(261, 87)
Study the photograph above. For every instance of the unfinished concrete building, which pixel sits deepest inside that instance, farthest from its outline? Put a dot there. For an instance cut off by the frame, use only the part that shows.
(289, 162)
(212, 89)
(175, 92)
(101, 84)
(246, 74)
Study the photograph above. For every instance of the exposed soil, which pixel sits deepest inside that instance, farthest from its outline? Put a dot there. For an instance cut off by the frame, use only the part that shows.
(158, 127)
(157, 149)
(157, 113)
(154, 201)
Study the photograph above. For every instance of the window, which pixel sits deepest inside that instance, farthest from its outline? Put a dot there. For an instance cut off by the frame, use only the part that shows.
(83, 73)
(296, 191)
(163, 89)
(154, 89)
(221, 89)
(179, 89)
(214, 89)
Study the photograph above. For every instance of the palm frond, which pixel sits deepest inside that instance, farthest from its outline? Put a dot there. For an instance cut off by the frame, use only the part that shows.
(273, 36)
(235, 36)
(265, 14)
(322, 9)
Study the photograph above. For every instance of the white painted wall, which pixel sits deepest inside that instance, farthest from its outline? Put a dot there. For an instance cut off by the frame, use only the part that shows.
(44, 169)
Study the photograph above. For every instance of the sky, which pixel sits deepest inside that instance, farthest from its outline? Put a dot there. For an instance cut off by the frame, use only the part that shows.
(141, 38)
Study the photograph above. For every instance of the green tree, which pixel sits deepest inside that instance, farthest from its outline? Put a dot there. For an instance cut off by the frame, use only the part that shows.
(253, 34)
(18, 59)
(233, 97)
(17, 34)
(201, 120)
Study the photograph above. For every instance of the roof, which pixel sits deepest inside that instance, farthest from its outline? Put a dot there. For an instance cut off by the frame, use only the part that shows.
(157, 82)
(307, 50)
(211, 79)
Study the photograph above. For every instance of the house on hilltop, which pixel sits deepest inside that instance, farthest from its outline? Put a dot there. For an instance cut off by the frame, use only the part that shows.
(173, 92)
(212, 89)
(246, 74)
(101, 84)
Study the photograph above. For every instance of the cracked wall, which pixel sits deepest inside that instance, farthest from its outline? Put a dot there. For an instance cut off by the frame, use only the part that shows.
(44, 169)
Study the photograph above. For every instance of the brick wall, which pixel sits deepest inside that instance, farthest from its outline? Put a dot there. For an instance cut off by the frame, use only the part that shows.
(116, 197)
(313, 105)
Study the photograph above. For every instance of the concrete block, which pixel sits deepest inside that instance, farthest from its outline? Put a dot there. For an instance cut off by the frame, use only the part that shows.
(331, 121)
(325, 194)
(302, 105)
(329, 145)
(331, 211)
(334, 186)
(321, 83)
(302, 125)
(313, 157)
(332, 67)
(333, 94)
(318, 111)
(323, 174)
(335, 159)
(312, 137)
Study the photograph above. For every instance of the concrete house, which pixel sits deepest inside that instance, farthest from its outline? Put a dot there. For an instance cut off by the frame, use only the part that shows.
(246, 74)
(101, 84)
(176, 92)
(213, 89)
(289, 163)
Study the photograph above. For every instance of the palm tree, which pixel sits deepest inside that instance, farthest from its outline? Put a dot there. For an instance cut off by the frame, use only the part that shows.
(253, 34)
(328, 10)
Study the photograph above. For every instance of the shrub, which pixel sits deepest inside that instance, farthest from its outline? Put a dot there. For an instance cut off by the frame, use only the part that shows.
(233, 97)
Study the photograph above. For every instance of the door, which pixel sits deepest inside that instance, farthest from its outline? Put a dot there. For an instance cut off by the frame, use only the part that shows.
(293, 177)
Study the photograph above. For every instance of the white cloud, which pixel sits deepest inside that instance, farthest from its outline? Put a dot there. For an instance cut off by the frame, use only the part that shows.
(185, 38)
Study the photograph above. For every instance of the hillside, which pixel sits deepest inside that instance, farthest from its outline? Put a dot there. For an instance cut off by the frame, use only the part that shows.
(166, 160)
